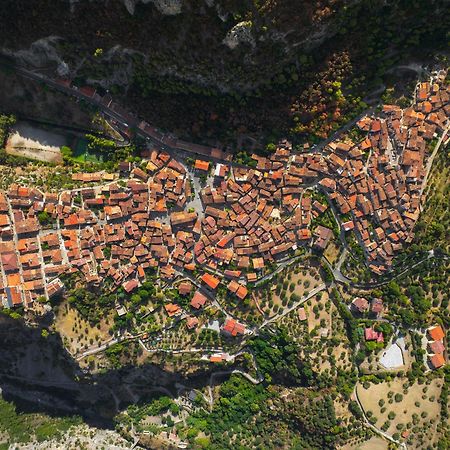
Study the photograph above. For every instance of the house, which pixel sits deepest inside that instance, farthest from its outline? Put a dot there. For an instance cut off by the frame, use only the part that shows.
(436, 347)
(323, 236)
(121, 310)
(436, 333)
(13, 296)
(172, 309)
(130, 285)
(360, 305)
(348, 226)
(233, 328)
(124, 167)
(217, 358)
(376, 307)
(302, 314)
(183, 218)
(238, 289)
(437, 361)
(211, 281)
(198, 300)
(201, 165)
(185, 288)
(192, 322)
(10, 262)
(55, 287)
(221, 171)
(371, 335)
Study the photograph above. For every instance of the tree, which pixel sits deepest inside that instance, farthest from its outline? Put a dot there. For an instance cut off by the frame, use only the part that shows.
(44, 218)
(66, 153)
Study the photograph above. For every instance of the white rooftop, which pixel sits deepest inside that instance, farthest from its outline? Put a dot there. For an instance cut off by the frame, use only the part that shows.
(392, 358)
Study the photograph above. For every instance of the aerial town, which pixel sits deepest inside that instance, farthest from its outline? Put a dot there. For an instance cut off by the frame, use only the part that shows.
(238, 227)
(224, 225)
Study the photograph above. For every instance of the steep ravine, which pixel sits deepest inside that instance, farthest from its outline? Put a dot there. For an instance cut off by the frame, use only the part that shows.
(38, 375)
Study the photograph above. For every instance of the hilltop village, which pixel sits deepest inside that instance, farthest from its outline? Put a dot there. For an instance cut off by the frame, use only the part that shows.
(237, 228)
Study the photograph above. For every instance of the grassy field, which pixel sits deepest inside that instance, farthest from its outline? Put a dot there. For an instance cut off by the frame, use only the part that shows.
(397, 407)
(82, 155)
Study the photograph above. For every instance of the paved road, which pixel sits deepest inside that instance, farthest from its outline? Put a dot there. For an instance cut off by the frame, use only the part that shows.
(128, 122)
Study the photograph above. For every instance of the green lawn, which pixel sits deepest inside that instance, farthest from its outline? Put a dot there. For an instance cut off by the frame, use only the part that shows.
(82, 155)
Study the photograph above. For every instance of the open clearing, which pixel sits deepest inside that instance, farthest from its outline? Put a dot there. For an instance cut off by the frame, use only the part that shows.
(413, 406)
(332, 251)
(35, 143)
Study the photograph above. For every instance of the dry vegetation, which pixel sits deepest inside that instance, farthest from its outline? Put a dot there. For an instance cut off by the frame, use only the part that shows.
(398, 407)
(286, 288)
(77, 333)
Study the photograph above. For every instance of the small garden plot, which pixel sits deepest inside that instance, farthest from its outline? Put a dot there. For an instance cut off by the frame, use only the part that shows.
(333, 251)
(397, 407)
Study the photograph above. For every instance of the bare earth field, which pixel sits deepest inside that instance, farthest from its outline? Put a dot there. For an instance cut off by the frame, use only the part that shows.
(35, 143)
(374, 443)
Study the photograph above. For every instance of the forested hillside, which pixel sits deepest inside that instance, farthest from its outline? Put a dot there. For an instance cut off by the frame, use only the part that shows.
(219, 68)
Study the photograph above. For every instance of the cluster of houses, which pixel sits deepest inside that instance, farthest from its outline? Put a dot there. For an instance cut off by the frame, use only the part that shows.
(248, 219)
(436, 347)
(374, 309)
(378, 181)
(361, 306)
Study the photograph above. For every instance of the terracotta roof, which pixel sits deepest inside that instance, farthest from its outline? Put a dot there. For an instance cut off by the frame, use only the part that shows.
(210, 280)
(198, 300)
(437, 360)
(201, 165)
(436, 333)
